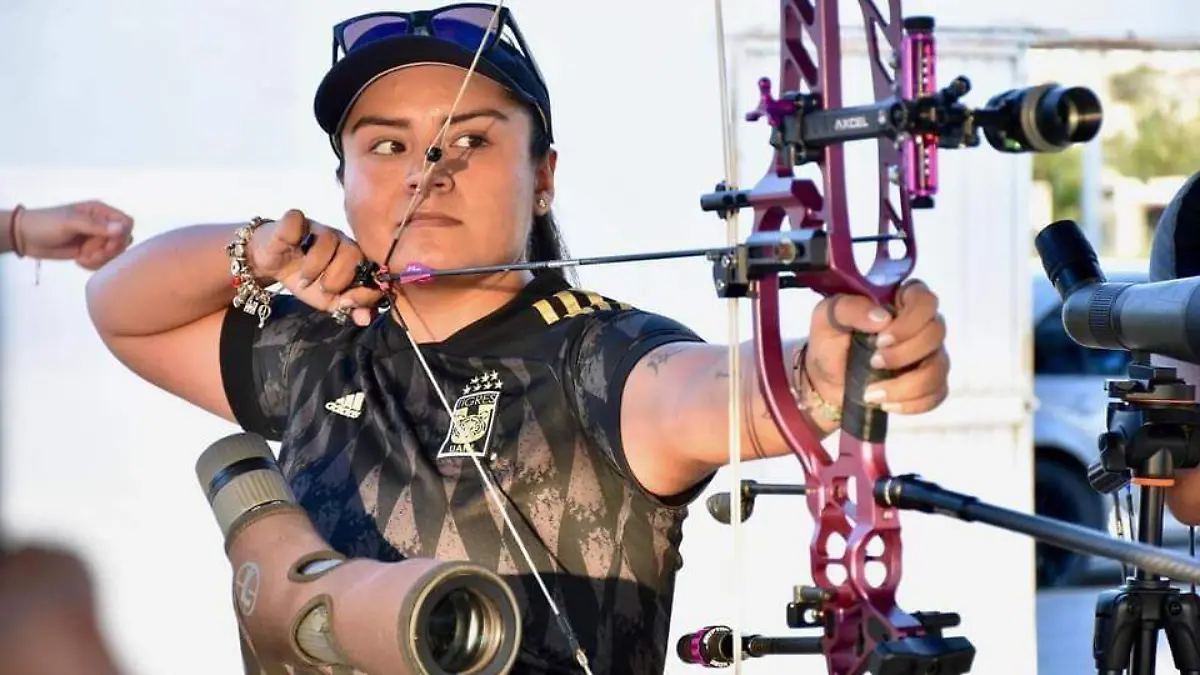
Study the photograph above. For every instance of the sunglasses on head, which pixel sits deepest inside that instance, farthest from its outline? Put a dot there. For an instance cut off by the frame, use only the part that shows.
(467, 24)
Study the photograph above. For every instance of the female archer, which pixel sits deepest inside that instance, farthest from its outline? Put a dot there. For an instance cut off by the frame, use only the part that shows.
(598, 422)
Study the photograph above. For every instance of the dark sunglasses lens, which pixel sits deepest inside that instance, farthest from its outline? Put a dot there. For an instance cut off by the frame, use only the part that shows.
(464, 26)
(374, 28)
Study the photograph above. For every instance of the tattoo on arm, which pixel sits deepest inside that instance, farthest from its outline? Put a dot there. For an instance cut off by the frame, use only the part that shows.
(748, 411)
(660, 356)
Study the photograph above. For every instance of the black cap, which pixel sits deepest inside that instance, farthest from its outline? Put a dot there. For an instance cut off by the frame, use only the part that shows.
(350, 76)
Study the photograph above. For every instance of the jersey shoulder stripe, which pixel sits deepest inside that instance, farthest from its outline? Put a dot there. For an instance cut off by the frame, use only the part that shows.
(574, 302)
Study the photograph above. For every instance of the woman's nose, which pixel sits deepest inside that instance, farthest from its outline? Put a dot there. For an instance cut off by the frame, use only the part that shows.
(433, 176)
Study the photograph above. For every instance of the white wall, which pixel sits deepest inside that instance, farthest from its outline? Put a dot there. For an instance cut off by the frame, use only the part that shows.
(189, 112)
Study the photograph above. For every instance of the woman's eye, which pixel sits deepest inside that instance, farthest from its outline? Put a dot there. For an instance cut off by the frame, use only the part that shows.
(470, 141)
(387, 148)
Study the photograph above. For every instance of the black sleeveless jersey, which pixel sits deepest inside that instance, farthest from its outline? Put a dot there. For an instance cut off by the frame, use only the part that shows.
(535, 388)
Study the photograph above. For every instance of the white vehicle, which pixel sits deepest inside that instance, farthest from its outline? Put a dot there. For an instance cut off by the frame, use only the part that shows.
(1070, 386)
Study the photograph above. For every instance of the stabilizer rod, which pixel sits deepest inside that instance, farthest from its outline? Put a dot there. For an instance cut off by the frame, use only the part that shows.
(911, 493)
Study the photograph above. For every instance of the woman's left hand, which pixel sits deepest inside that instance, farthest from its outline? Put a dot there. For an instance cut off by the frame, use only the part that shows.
(913, 341)
(90, 233)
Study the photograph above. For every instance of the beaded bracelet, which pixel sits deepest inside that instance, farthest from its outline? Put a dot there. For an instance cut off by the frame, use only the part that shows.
(251, 298)
(813, 402)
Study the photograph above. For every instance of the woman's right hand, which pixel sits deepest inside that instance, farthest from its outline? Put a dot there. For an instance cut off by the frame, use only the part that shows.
(320, 277)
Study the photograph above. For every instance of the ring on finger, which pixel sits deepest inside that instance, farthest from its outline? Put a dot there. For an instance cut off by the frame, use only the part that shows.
(341, 315)
(308, 238)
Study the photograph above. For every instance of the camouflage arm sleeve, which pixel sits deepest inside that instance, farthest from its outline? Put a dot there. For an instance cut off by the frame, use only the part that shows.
(602, 356)
(256, 363)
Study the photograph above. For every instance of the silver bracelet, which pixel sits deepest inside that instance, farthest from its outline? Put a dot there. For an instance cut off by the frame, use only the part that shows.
(250, 297)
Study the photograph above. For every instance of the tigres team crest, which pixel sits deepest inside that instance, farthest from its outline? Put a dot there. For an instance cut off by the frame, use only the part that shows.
(472, 417)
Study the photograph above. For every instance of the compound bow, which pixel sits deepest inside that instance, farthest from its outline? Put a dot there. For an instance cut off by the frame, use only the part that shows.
(864, 630)
(854, 497)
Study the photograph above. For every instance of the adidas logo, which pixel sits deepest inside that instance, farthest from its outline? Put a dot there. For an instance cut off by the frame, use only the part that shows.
(349, 405)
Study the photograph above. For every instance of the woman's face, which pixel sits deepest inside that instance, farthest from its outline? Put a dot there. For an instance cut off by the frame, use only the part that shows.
(477, 204)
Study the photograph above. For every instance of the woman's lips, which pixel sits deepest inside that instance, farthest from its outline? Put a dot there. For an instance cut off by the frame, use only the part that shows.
(434, 219)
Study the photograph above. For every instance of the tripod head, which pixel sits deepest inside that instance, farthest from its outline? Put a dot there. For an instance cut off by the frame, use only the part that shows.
(1153, 419)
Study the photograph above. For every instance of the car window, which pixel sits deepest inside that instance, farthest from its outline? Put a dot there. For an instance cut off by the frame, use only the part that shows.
(1055, 353)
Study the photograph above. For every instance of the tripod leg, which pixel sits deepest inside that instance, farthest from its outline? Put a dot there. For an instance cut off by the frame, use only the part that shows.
(1181, 622)
(1145, 650)
(1117, 625)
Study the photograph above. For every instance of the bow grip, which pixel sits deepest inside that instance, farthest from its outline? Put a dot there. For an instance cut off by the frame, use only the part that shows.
(862, 420)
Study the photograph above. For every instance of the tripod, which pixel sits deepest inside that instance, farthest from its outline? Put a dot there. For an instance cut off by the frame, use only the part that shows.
(1152, 425)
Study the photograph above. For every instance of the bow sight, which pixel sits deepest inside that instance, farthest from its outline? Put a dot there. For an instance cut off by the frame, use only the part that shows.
(1042, 118)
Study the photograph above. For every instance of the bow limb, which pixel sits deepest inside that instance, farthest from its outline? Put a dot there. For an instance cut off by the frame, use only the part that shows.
(733, 337)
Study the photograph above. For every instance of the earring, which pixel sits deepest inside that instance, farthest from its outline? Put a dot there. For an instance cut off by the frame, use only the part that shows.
(542, 203)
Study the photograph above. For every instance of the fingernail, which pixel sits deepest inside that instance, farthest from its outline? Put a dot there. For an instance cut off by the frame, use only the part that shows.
(878, 315)
(874, 395)
(890, 407)
(115, 228)
(303, 282)
(877, 361)
(885, 339)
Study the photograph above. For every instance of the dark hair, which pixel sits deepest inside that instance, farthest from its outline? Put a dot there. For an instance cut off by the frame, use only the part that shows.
(545, 239)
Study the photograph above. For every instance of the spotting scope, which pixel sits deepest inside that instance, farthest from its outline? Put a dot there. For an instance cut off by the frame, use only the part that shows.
(303, 604)
(1159, 317)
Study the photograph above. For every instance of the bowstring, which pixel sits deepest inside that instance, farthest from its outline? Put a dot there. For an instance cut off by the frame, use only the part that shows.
(734, 339)
(432, 156)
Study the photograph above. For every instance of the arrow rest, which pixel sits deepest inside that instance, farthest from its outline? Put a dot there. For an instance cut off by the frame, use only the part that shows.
(789, 253)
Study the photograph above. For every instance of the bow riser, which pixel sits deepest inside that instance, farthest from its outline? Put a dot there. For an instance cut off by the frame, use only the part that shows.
(855, 613)
(821, 81)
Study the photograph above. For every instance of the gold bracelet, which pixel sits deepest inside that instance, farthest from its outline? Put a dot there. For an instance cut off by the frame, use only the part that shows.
(817, 404)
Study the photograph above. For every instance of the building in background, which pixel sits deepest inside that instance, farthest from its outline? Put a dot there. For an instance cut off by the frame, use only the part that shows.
(1117, 189)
